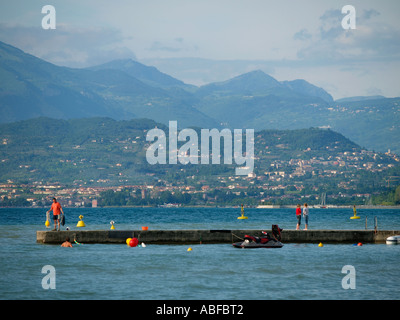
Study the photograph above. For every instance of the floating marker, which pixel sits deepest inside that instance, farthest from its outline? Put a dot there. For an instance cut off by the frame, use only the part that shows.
(80, 222)
(47, 223)
(242, 216)
(189, 249)
(112, 225)
(133, 242)
(355, 214)
(320, 244)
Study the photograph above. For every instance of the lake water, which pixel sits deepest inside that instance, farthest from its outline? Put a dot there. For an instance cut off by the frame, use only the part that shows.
(208, 272)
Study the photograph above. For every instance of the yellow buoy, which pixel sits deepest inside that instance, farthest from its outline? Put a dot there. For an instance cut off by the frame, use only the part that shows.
(80, 222)
(47, 223)
(112, 225)
(320, 244)
(355, 214)
(242, 216)
(127, 241)
(189, 249)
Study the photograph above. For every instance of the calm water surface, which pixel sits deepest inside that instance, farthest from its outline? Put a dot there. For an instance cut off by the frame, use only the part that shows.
(99, 271)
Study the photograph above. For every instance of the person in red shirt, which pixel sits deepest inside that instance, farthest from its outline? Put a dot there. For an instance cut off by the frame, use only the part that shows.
(298, 216)
(56, 207)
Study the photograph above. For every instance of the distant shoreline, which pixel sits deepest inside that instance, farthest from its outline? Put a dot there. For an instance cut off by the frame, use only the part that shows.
(234, 207)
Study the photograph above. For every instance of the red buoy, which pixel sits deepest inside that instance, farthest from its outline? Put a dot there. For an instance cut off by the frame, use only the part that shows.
(133, 242)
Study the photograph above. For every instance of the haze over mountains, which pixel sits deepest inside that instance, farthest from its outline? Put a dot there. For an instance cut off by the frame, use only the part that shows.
(126, 89)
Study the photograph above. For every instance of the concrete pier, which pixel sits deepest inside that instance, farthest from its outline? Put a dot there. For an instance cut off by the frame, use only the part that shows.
(212, 236)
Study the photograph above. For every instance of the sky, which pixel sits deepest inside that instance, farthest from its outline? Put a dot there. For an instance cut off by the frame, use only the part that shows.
(201, 41)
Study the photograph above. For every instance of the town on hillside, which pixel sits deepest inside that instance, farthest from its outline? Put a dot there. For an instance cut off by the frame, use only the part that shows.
(348, 178)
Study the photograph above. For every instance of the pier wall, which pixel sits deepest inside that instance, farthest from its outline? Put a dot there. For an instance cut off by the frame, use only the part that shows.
(212, 236)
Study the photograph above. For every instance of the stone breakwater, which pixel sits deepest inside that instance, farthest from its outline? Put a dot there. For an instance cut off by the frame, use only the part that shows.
(212, 236)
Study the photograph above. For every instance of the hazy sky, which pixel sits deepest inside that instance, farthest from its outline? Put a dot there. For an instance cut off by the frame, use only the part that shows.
(289, 39)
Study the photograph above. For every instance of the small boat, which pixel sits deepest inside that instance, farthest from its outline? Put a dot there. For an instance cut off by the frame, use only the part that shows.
(266, 241)
(393, 240)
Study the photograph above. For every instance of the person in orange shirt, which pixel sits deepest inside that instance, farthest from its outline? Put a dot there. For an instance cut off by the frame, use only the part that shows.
(56, 207)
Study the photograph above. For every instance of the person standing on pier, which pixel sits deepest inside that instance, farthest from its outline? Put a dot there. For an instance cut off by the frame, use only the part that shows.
(305, 215)
(56, 207)
(298, 216)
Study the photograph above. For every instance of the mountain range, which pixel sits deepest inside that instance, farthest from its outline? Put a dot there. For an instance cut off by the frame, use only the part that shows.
(126, 89)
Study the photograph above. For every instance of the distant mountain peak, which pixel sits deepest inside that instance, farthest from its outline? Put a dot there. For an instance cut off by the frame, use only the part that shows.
(257, 72)
(119, 63)
(147, 74)
(258, 75)
(305, 88)
(248, 83)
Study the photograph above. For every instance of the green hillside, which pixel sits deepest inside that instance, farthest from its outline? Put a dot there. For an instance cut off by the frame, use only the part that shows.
(106, 152)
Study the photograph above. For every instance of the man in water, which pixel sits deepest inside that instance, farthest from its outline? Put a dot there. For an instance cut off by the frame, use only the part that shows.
(56, 207)
(67, 244)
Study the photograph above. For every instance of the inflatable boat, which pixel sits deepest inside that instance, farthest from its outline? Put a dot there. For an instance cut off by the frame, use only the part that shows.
(393, 240)
(266, 241)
